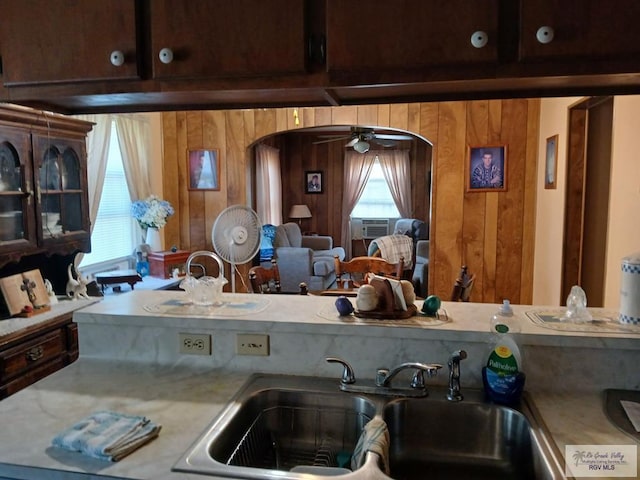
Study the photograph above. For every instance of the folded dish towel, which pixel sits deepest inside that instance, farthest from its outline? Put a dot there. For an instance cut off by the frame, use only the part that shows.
(374, 438)
(108, 435)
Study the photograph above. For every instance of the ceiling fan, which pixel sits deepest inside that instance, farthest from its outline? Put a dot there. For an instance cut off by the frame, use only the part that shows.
(360, 139)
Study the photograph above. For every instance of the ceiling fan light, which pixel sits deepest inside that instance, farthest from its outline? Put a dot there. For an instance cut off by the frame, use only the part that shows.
(361, 146)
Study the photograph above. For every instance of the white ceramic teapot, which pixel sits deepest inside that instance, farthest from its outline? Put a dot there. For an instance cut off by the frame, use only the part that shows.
(204, 290)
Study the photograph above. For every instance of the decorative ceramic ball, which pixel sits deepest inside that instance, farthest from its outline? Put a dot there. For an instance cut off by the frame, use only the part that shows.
(367, 299)
(408, 292)
(344, 306)
(431, 305)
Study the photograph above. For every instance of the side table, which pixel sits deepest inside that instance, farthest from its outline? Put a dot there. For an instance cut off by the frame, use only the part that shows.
(118, 276)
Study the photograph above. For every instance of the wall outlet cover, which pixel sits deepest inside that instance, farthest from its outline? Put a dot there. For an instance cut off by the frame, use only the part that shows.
(252, 344)
(194, 343)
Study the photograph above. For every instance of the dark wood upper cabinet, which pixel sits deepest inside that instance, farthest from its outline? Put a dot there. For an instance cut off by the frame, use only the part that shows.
(52, 41)
(582, 30)
(222, 38)
(44, 204)
(378, 35)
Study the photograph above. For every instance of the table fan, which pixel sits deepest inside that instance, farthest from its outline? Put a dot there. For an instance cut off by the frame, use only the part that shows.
(236, 236)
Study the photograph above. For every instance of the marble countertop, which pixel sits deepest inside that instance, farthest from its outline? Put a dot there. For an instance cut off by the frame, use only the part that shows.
(184, 401)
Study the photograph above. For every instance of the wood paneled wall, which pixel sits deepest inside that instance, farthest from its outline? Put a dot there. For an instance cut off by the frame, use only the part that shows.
(492, 233)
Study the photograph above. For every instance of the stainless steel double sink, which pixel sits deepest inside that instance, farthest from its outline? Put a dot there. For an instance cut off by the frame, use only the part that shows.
(277, 426)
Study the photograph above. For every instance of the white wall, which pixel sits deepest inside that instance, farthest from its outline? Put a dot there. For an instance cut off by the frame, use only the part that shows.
(624, 208)
(550, 204)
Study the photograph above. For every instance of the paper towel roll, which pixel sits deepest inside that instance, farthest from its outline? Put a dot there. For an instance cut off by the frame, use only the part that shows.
(630, 290)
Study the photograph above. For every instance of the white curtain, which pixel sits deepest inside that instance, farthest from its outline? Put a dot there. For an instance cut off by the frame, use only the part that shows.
(97, 155)
(134, 138)
(357, 169)
(268, 185)
(396, 169)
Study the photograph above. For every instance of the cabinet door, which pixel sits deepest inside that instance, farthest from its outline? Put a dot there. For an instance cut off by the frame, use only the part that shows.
(582, 29)
(17, 209)
(48, 41)
(223, 38)
(379, 35)
(62, 212)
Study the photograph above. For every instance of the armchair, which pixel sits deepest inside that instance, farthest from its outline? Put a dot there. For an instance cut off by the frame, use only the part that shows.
(303, 258)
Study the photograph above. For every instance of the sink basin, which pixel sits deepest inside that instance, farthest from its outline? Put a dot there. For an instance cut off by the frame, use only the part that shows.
(277, 426)
(278, 423)
(471, 440)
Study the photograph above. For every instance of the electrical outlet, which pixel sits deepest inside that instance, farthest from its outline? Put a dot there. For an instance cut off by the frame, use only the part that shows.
(195, 343)
(252, 344)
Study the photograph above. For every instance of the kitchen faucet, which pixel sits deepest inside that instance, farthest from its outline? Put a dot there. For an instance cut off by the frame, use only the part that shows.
(454, 394)
(382, 384)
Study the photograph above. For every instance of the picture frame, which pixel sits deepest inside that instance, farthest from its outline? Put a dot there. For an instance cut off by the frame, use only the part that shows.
(551, 163)
(203, 167)
(313, 181)
(486, 168)
(25, 293)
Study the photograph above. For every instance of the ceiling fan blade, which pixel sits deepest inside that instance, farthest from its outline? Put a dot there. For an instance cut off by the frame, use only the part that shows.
(384, 142)
(385, 136)
(328, 140)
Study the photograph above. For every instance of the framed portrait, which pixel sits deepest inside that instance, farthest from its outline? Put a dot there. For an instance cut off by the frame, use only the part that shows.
(487, 168)
(313, 181)
(551, 162)
(204, 169)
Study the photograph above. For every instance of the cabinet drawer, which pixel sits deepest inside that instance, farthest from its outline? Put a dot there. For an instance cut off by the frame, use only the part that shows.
(31, 377)
(17, 360)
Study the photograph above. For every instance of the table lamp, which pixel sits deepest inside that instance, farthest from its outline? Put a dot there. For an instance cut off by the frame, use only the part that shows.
(299, 212)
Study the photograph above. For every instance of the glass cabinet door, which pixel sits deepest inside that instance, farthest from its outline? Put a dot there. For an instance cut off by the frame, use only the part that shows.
(63, 205)
(17, 226)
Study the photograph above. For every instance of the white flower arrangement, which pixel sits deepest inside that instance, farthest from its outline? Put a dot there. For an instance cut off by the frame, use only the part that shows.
(151, 212)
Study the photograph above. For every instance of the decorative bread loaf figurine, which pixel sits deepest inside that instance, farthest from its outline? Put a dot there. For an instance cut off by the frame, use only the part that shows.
(408, 292)
(367, 298)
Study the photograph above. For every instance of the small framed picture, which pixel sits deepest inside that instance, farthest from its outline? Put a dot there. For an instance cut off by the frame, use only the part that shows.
(487, 168)
(313, 182)
(551, 163)
(204, 169)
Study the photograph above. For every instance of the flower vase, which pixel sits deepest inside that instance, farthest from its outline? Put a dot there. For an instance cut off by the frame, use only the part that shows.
(153, 239)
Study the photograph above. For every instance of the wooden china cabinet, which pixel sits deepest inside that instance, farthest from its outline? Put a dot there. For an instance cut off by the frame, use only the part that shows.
(44, 223)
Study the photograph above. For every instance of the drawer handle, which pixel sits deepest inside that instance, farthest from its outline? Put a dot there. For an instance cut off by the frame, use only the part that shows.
(35, 353)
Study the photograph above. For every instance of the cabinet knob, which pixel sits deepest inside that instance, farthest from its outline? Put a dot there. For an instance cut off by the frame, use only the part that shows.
(479, 39)
(166, 55)
(545, 34)
(34, 353)
(117, 58)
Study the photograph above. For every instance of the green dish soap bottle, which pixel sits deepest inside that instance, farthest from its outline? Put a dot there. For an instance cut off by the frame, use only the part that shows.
(503, 377)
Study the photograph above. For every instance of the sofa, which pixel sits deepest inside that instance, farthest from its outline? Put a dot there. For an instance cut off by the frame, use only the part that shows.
(303, 258)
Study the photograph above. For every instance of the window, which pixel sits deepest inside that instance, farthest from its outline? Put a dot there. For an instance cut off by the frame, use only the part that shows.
(376, 200)
(115, 233)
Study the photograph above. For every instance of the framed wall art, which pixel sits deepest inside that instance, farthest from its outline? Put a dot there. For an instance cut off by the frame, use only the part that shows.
(551, 163)
(313, 181)
(486, 168)
(204, 169)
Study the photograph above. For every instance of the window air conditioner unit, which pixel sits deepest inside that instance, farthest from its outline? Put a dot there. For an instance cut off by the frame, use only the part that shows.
(375, 227)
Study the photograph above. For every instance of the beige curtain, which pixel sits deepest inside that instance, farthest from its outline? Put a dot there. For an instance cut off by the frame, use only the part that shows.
(396, 169)
(134, 137)
(268, 185)
(357, 169)
(97, 155)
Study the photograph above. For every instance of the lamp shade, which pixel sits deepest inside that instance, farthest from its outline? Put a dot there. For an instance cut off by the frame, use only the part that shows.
(361, 146)
(300, 211)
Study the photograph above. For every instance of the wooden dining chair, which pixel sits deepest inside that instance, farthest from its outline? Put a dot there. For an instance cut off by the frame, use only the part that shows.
(265, 280)
(463, 286)
(358, 267)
